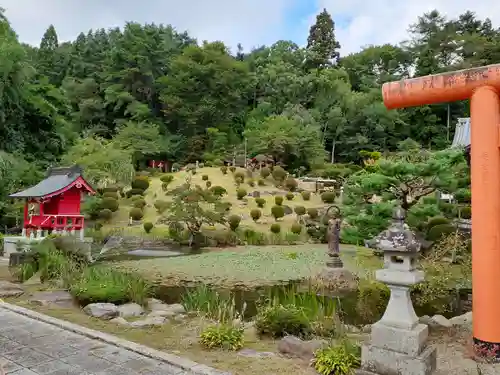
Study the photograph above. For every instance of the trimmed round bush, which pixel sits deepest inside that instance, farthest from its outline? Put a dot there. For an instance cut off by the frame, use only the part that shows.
(328, 197)
(204, 177)
(278, 212)
(140, 183)
(241, 193)
(251, 182)
(164, 186)
(463, 196)
(256, 214)
(218, 191)
(278, 200)
(105, 214)
(136, 213)
(465, 212)
(260, 202)
(437, 221)
(133, 192)
(440, 230)
(161, 206)
(296, 228)
(148, 226)
(306, 195)
(232, 168)
(140, 203)
(265, 172)
(289, 196)
(312, 212)
(110, 204)
(275, 228)
(261, 182)
(110, 194)
(291, 184)
(239, 175)
(208, 184)
(234, 222)
(167, 178)
(98, 226)
(110, 189)
(223, 169)
(279, 174)
(300, 210)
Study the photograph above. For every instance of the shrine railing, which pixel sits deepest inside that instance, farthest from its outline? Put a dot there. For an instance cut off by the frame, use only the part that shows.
(61, 222)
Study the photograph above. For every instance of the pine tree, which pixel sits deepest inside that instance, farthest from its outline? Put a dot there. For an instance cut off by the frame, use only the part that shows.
(321, 43)
(47, 56)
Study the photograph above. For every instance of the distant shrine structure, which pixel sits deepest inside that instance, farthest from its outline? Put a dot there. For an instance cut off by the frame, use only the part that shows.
(53, 205)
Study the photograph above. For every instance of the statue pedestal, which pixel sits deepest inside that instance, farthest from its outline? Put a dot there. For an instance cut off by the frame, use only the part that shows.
(336, 280)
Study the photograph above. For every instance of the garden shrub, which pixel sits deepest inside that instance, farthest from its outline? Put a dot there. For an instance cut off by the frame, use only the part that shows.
(313, 213)
(110, 204)
(340, 359)
(371, 302)
(291, 184)
(289, 196)
(265, 172)
(252, 237)
(278, 321)
(300, 210)
(296, 228)
(239, 176)
(251, 182)
(465, 212)
(111, 194)
(261, 182)
(328, 197)
(218, 191)
(98, 226)
(306, 195)
(279, 174)
(208, 184)
(204, 177)
(275, 228)
(132, 192)
(164, 186)
(139, 203)
(167, 178)
(278, 200)
(255, 214)
(148, 226)
(104, 284)
(463, 196)
(222, 336)
(140, 183)
(278, 212)
(110, 189)
(222, 238)
(260, 202)
(232, 168)
(429, 200)
(176, 167)
(136, 213)
(234, 222)
(105, 214)
(437, 221)
(438, 231)
(448, 209)
(241, 193)
(223, 169)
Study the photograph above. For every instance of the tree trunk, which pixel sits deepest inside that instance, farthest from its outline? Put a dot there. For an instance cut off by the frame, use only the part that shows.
(333, 151)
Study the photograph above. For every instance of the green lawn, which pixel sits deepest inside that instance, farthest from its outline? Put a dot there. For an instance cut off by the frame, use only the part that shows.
(251, 265)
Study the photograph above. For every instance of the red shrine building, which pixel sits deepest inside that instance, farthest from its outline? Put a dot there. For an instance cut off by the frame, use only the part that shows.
(53, 205)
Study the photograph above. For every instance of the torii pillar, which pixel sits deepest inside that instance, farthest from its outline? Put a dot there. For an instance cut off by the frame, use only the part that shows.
(482, 86)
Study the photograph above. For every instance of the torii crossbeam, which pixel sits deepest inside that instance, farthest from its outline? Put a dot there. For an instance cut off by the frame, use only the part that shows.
(482, 86)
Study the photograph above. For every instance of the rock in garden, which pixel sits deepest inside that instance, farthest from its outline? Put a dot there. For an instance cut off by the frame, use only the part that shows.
(176, 308)
(57, 297)
(120, 321)
(8, 289)
(255, 354)
(462, 320)
(441, 321)
(153, 321)
(129, 310)
(156, 304)
(101, 310)
(294, 347)
(162, 313)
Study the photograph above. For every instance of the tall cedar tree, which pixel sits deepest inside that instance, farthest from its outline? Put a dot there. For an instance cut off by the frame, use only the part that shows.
(321, 43)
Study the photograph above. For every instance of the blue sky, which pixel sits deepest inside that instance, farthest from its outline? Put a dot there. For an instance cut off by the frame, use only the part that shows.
(250, 22)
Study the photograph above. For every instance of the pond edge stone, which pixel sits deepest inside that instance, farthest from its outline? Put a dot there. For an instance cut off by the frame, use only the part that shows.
(182, 363)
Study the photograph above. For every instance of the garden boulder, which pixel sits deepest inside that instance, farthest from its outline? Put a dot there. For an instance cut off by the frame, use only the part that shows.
(8, 289)
(292, 346)
(152, 321)
(101, 310)
(129, 310)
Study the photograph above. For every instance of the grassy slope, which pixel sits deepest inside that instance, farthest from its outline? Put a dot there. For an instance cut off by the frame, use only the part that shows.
(226, 181)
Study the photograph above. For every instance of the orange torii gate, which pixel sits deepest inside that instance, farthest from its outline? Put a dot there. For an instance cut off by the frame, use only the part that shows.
(482, 86)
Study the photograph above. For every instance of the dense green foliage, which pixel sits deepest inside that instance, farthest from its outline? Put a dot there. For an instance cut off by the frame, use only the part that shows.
(111, 96)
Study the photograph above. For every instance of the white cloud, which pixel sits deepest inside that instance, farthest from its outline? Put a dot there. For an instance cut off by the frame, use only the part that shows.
(387, 21)
(250, 22)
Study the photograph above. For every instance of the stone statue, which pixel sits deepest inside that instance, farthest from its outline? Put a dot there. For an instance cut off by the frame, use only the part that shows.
(333, 239)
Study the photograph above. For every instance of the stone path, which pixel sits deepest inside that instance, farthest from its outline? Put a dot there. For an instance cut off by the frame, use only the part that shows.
(31, 347)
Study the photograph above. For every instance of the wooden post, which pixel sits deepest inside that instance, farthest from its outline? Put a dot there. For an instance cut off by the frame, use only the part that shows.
(482, 86)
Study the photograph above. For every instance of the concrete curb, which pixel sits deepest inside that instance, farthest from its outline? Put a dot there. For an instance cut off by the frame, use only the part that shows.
(182, 363)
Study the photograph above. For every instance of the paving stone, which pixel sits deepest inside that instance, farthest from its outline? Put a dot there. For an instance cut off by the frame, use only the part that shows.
(55, 350)
(8, 366)
(165, 368)
(8, 345)
(27, 357)
(115, 355)
(88, 362)
(52, 366)
(141, 364)
(23, 371)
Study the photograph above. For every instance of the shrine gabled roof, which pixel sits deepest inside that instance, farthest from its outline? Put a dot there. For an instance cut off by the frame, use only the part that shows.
(462, 133)
(56, 181)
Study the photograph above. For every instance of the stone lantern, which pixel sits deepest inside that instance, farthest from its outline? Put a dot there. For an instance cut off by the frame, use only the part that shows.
(398, 341)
